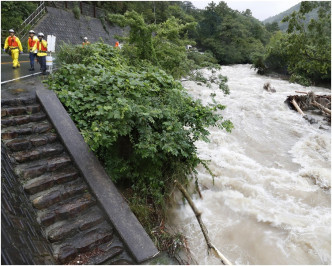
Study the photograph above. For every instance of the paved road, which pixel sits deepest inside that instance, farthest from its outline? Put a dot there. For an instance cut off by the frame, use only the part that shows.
(21, 86)
(7, 71)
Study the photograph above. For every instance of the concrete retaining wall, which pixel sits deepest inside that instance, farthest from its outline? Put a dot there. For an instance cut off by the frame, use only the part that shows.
(67, 28)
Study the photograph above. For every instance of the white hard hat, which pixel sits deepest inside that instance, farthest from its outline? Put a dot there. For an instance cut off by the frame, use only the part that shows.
(11, 30)
(85, 38)
(31, 31)
(40, 34)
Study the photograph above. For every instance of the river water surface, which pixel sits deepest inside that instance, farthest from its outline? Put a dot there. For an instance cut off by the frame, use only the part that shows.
(270, 202)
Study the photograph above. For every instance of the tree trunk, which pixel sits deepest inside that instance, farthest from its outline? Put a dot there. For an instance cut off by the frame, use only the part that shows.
(198, 214)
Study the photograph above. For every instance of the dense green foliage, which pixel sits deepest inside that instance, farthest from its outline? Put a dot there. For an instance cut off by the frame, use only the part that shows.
(163, 45)
(13, 13)
(233, 37)
(283, 25)
(152, 11)
(305, 50)
(138, 120)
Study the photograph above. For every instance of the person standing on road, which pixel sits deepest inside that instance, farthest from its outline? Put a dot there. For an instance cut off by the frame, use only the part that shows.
(14, 46)
(41, 46)
(32, 53)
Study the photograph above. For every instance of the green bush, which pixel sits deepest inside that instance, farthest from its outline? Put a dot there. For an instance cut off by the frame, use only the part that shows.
(304, 51)
(139, 121)
(77, 12)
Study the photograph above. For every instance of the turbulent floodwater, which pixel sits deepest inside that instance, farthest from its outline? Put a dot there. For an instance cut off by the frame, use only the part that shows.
(270, 202)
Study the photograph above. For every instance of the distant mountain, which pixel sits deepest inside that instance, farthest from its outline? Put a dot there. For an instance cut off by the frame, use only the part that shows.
(283, 26)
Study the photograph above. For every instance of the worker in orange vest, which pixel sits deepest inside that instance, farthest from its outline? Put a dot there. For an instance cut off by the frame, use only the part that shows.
(41, 46)
(116, 44)
(14, 46)
(32, 53)
(85, 42)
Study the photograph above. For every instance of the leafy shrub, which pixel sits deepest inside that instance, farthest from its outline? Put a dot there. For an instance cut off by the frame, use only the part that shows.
(73, 54)
(77, 12)
(162, 45)
(139, 121)
(304, 51)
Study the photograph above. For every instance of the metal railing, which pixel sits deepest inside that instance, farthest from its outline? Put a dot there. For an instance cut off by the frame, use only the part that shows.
(32, 19)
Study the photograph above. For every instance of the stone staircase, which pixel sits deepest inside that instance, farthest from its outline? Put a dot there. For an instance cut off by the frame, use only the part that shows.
(68, 213)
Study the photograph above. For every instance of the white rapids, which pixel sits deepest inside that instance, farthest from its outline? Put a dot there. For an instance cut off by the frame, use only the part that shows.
(271, 199)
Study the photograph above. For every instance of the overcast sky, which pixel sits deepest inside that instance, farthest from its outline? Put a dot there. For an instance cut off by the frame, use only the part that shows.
(261, 10)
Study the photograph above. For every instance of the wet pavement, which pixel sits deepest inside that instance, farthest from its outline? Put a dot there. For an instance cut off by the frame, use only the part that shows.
(8, 73)
(22, 87)
(19, 82)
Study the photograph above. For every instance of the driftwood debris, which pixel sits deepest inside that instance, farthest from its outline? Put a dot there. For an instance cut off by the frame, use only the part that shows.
(198, 215)
(310, 101)
(297, 107)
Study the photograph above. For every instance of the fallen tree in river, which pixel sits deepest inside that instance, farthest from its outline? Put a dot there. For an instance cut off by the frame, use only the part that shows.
(198, 214)
(310, 101)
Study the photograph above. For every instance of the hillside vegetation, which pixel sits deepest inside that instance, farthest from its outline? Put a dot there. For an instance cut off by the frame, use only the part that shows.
(283, 26)
(304, 51)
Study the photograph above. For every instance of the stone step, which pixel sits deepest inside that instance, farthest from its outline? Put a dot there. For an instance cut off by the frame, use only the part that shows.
(93, 238)
(84, 242)
(108, 254)
(37, 168)
(67, 210)
(58, 193)
(18, 101)
(48, 180)
(121, 262)
(20, 110)
(30, 128)
(38, 153)
(31, 141)
(22, 119)
(68, 228)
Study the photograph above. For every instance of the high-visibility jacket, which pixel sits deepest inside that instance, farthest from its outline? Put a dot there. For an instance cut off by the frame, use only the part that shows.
(31, 43)
(41, 47)
(14, 43)
(85, 43)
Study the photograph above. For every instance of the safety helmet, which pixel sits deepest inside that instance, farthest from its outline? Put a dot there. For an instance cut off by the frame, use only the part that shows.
(85, 38)
(31, 31)
(40, 34)
(11, 30)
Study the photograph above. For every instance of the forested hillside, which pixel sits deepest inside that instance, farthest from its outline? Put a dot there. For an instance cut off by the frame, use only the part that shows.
(232, 36)
(304, 51)
(284, 25)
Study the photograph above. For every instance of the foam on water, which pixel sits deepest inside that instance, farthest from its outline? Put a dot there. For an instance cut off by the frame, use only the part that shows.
(270, 200)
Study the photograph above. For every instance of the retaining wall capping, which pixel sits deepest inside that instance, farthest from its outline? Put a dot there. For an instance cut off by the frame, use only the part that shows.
(82, 216)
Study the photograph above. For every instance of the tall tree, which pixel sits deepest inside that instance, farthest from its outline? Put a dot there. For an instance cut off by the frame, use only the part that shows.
(309, 48)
